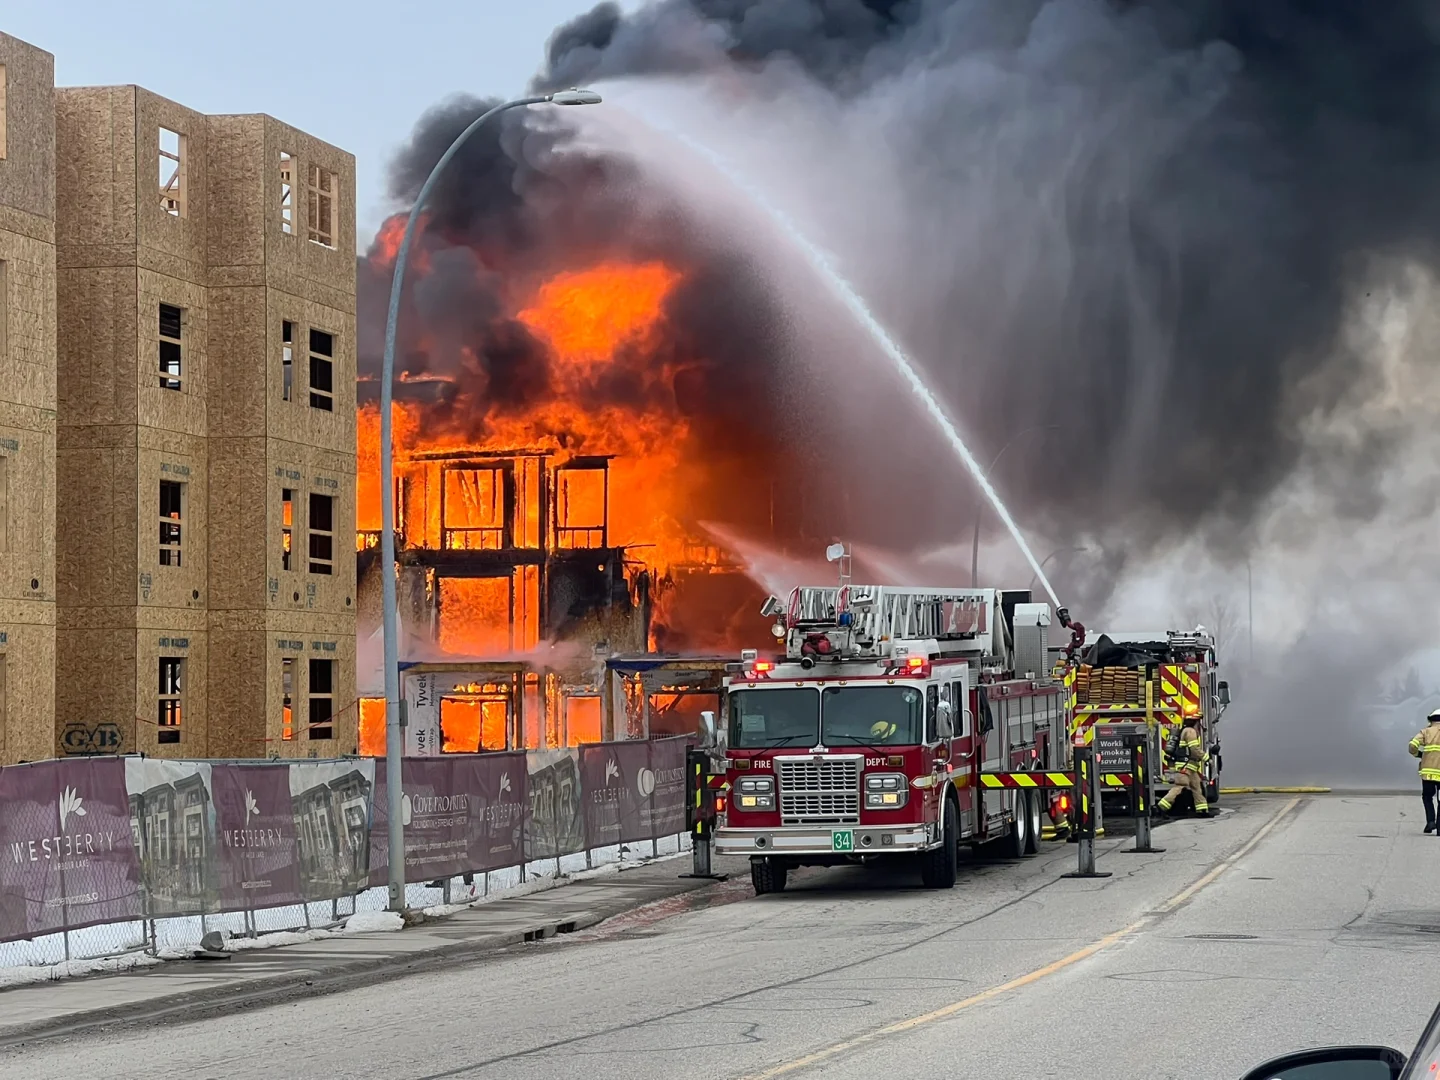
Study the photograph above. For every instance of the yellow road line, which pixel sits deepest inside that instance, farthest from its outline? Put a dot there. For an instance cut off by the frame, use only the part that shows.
(1274, 790)
(828, 1052)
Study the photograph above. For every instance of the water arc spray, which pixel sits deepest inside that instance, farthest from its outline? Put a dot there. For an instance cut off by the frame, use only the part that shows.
(846, 293)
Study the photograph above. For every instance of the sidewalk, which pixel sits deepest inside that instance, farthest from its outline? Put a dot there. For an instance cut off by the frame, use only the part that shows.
(189, 989)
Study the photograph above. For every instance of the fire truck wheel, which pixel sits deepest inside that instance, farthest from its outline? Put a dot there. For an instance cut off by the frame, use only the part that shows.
(1013, 844)
(940, 867)
(768, 875)
(1032, 811)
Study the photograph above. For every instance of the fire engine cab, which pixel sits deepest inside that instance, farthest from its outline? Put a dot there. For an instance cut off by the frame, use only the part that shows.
(868, 738)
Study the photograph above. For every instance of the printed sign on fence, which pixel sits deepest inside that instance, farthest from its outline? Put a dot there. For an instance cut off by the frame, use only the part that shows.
(555, 825)
(96, 840)
(67, 851)
(616, 780)
(497, 832)
(462, 813)
(257, 848)
(174, 818)
(667, 797)
(331, 804)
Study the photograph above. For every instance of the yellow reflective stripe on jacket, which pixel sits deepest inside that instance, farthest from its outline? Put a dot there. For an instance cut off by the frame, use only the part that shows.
(1430, 774)
(1430, 748)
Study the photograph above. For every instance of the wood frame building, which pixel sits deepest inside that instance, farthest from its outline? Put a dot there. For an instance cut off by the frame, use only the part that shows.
(27, 402)
(207, 429)
(177, 427)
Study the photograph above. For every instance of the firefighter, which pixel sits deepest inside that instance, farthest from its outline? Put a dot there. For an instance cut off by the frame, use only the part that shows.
(1426, 747)
(1186, 768)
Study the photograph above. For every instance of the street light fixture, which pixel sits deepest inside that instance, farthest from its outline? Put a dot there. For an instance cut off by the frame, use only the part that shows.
(394, 733)
(1046, 561)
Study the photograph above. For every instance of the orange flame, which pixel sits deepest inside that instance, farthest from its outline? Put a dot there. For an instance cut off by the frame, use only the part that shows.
(602, 326)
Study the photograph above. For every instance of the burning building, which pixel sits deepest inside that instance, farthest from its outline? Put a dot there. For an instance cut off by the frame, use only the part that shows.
(549, 503)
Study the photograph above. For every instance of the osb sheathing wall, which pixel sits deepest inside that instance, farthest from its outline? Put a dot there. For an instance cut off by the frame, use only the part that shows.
(261, 444)
(247, 710)
(27, 405)
(227, 434)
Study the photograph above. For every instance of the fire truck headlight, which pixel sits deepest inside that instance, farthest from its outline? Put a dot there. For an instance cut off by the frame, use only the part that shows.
(886, 791)
(755, 793)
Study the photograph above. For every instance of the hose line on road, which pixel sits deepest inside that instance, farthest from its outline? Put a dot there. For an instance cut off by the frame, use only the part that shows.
(826, 1053)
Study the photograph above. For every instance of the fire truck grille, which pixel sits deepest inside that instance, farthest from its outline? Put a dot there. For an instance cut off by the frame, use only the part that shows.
(824, 792)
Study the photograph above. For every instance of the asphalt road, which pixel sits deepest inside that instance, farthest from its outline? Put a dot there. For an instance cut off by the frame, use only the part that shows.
(1283, 923)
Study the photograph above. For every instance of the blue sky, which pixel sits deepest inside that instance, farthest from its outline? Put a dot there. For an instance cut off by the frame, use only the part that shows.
(356, 73)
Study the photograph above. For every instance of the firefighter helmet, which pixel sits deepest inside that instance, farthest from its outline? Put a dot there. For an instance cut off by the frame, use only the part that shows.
(881, 729)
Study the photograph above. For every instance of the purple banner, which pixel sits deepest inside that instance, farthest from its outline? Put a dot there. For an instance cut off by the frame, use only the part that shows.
(667, 784)
(258, 851)
(331, 803)
(555, 825)
(463, 814)
(174, 822)
(613, 777)
(67, 849)
(497, 815)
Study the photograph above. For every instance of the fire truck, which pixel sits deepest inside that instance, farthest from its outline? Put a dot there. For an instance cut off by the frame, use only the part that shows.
(868, 738)
(1166, 677)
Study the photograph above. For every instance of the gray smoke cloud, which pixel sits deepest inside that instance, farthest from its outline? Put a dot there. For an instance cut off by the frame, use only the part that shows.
(1171, 248)
(1137, 222)
(1177, 247)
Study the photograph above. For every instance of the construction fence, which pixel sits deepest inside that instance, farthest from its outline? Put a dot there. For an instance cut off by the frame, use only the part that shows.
(146, 850)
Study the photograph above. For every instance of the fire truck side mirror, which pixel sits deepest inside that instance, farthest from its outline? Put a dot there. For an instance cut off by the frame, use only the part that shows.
(945, 715)
(1224, 693)
(773, 606)
(709, 729)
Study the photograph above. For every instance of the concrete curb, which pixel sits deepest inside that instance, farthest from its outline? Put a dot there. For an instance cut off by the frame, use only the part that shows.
(316, 982)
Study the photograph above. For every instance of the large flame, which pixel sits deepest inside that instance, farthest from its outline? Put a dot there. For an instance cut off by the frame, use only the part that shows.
(610, 392)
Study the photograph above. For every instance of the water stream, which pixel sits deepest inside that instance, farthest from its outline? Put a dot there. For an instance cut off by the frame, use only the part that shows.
(846, 293)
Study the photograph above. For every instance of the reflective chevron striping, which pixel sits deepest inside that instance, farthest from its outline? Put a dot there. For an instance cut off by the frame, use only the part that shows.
(1046, 780)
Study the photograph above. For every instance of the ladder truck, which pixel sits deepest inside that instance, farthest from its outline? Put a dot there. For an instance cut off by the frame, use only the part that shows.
(897, 723)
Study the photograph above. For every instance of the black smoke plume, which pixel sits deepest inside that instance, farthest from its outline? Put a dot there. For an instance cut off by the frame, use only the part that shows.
(1137, 222)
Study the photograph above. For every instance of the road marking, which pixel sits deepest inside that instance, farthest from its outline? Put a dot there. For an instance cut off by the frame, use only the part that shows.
(945, 1011)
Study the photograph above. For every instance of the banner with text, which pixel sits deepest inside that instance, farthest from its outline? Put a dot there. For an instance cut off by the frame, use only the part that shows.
(556, 825)
(463, 814)
(67, 851)
(96, 840)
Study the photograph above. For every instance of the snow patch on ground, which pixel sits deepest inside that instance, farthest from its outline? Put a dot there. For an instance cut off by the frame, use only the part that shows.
(109, 965)
(370, 922)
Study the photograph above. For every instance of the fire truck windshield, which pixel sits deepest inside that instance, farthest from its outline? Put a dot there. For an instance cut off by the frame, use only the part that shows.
(763, 718)
(873, 715)
(853, 716)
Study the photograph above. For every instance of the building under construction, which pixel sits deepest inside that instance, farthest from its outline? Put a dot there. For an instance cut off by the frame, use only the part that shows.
(177, 427)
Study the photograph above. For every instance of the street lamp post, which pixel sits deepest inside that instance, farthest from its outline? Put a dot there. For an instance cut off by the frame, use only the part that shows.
(1045, 562)
(975, 542)
(1250, 598)
(394, 720)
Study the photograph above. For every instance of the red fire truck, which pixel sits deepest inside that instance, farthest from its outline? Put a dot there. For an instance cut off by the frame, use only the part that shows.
(885, 730)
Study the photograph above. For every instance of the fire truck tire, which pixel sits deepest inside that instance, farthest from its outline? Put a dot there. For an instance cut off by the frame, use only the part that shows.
(1013, 844)
(939, 868)
(1032, 812)
(768, 875)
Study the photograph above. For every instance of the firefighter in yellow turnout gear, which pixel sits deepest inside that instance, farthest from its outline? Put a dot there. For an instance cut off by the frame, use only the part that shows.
(1186, 769)
(1426, 747)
